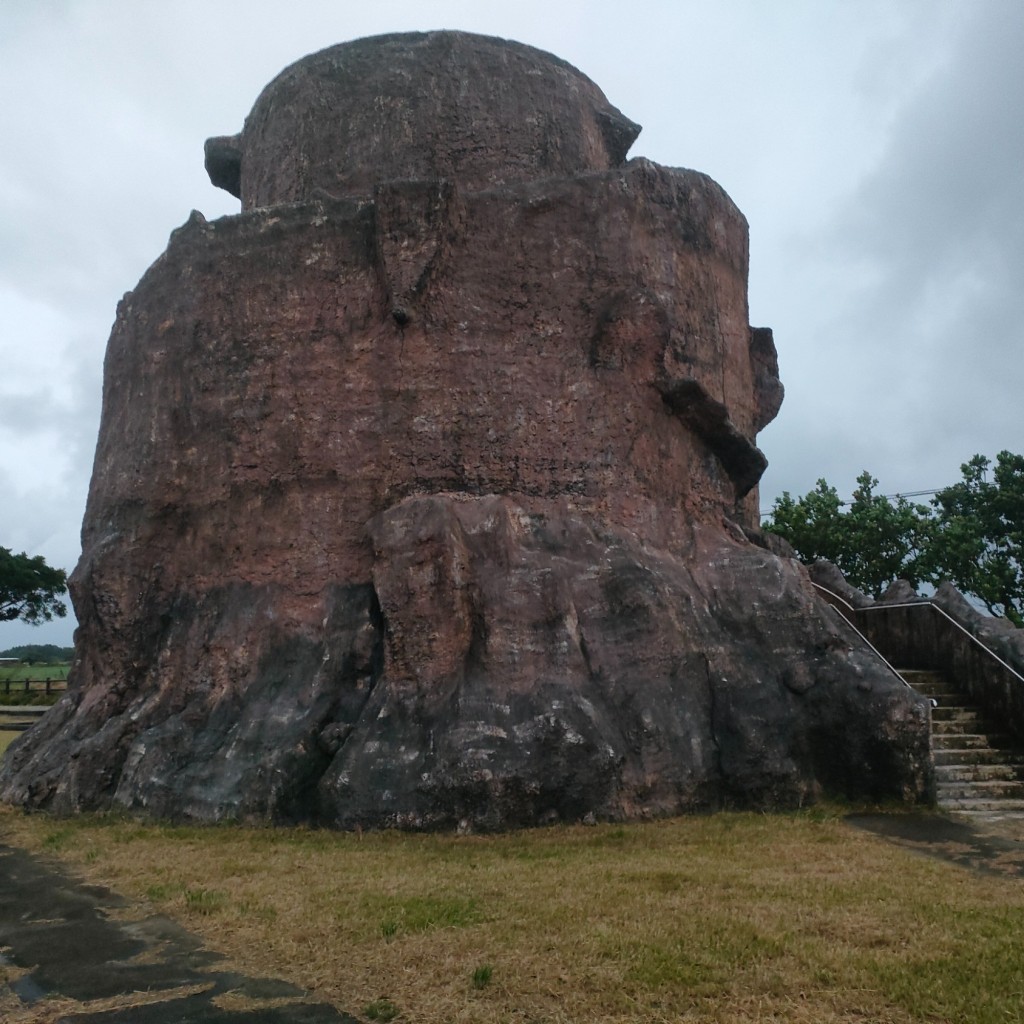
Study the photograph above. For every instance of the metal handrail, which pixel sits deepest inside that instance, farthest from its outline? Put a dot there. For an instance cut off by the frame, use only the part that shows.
(867, 642)
(925, 603)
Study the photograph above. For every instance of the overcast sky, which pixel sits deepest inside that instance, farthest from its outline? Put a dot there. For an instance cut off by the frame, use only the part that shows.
(876, 148)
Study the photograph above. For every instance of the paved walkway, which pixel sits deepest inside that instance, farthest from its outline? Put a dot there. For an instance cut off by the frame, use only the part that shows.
(62, 931)
(993, 846)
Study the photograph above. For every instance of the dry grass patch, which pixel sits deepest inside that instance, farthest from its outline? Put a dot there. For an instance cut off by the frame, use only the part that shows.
(737, 917)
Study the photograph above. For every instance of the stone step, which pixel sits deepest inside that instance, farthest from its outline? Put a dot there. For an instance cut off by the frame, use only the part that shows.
(955, 713)
(954, 740)
(949, 700)
(976, 772)
(977, 755)
(924, 676)
(986, 807)
(999, 789)
(938, 689)
(964, 724)
(947, 774)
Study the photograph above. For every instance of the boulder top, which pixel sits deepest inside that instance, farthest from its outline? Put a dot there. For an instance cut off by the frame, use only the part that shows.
(477, 110)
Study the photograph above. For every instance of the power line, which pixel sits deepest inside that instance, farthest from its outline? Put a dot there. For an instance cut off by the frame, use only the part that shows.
(905, 494)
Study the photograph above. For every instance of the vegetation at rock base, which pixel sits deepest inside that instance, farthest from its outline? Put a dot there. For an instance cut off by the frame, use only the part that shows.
(971, 534)
(30, 590)
(734, 917)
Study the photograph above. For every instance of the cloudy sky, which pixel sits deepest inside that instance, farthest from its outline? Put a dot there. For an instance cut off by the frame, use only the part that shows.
(876, 148)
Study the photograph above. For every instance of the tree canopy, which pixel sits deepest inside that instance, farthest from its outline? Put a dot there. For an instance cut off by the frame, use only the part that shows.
(972, 534)
(978, 541)
(30, 590)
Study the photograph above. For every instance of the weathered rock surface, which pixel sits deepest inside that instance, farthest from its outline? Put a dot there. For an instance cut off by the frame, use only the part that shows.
(423, 488)
(418, 107)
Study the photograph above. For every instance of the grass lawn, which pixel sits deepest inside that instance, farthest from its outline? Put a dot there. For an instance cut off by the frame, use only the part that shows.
(736, 917)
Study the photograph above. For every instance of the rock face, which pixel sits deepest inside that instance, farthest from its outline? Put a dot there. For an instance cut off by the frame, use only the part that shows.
(424, 485)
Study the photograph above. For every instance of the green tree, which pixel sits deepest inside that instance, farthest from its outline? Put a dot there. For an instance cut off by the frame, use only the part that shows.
(886, 538)
(978, 542)
(813, 524)
(873, 543)
(29, 589)
(972, 536)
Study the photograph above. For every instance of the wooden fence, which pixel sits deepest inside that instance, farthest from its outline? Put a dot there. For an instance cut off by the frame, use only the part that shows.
(48, 685)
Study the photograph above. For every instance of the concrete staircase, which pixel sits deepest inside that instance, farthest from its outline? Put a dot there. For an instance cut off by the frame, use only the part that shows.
(979, 771)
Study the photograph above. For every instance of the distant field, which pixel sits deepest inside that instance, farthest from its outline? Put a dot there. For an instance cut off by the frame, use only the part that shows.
(37, 672)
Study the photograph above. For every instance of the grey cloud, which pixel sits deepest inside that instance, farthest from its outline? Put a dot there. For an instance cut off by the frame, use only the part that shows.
(950, 192)
(888, 265)
(918, 366)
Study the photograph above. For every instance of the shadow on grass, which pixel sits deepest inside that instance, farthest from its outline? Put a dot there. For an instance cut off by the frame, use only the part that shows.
(971, 845)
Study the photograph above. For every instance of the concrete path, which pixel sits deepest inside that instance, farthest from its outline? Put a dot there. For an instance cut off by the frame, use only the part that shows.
(992, 846)
(61, 932)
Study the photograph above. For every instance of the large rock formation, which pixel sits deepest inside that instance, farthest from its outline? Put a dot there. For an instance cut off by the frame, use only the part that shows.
(424, 486)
